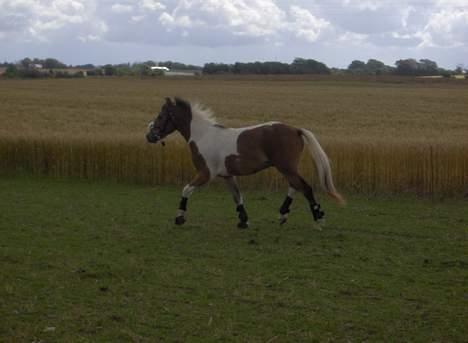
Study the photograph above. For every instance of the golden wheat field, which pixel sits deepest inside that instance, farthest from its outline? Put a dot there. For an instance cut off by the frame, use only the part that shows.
(382, 137)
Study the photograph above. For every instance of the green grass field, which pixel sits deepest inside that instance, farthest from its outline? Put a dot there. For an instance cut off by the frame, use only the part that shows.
(101, 262)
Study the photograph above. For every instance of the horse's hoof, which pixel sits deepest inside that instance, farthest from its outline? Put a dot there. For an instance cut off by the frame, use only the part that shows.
(317, 212)
(319, 224)
(283, 218)
(243, 225)
(179, 220)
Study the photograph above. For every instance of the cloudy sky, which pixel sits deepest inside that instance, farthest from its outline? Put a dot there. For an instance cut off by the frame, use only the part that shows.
(198, 31)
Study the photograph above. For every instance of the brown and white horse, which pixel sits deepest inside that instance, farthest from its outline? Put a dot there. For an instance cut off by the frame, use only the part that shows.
(218, 151)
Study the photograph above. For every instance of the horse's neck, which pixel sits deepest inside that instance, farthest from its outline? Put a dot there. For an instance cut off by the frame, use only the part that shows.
(200, 127)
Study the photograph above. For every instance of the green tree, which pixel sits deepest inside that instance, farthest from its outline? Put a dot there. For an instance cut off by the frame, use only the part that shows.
(428, 67)
(216, 68)
(52, 63)
(375, 67)
(407, 67)
(11, 71)
(357, 67)
(308, 66)
(412, 67)
(109, 70)
(25, 62)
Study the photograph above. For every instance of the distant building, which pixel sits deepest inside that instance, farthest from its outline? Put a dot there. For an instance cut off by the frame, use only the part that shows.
(183, 73)
(71, 71)
(35, 66)
(168, 72)
(163, 69)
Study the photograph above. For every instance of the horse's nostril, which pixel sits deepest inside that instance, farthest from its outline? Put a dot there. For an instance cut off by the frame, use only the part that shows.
(150, 138)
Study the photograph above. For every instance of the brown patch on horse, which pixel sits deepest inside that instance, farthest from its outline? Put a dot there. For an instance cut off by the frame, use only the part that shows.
(199, 162)
(276, 145)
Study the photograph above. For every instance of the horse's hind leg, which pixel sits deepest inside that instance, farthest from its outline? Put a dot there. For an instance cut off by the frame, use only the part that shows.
(198, 181)
(234, 188)
(298, 183)
(284, 209)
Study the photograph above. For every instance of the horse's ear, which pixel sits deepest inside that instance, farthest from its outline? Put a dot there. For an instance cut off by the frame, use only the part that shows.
(169, 102)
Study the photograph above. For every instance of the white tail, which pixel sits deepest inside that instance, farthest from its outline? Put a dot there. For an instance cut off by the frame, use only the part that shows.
(323, 165)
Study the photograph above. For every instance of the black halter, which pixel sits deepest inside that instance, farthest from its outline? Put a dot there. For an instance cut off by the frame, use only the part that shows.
(166, 123)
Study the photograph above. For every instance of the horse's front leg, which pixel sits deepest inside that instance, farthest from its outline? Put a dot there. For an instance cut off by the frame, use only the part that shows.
(231, 182)
(198, 181)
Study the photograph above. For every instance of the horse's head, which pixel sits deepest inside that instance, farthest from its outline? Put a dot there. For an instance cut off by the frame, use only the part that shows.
(173, 116)
(164, 124)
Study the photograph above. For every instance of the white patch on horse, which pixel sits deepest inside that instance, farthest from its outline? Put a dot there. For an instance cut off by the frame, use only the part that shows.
(187, 191)
(215, 143)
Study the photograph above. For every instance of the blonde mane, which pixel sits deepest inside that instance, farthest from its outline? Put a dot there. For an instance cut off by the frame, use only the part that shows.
(203, 113)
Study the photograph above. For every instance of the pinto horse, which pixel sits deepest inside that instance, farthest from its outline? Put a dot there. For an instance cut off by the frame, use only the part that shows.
(223, 152)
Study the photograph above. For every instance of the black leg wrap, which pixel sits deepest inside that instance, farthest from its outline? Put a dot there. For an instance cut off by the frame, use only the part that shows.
(316, 211)
(285, 207)
(183, 204)
(242, 217)
(180, 219)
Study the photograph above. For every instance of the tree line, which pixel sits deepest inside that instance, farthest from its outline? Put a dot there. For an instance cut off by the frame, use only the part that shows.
(28, 67)
(404, 67)
(42, 68)
(298, 66)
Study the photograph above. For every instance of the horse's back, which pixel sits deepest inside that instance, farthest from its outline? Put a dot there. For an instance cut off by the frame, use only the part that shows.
(272, 138)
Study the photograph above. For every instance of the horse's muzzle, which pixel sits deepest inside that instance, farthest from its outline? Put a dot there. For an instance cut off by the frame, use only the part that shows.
(151, 137)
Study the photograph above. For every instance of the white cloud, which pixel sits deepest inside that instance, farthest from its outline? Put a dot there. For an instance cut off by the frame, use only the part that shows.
(447, 28)
(41, 21)
(89, 38)
(121, 8)
(166, 19)
(253, 18)
(70, 6)
(137, 18)
(170, 21)
(353, 38)
(236, 21)
(372, 5)
(152, 5)
(406, 16)
(461, 4)
(306, 25)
